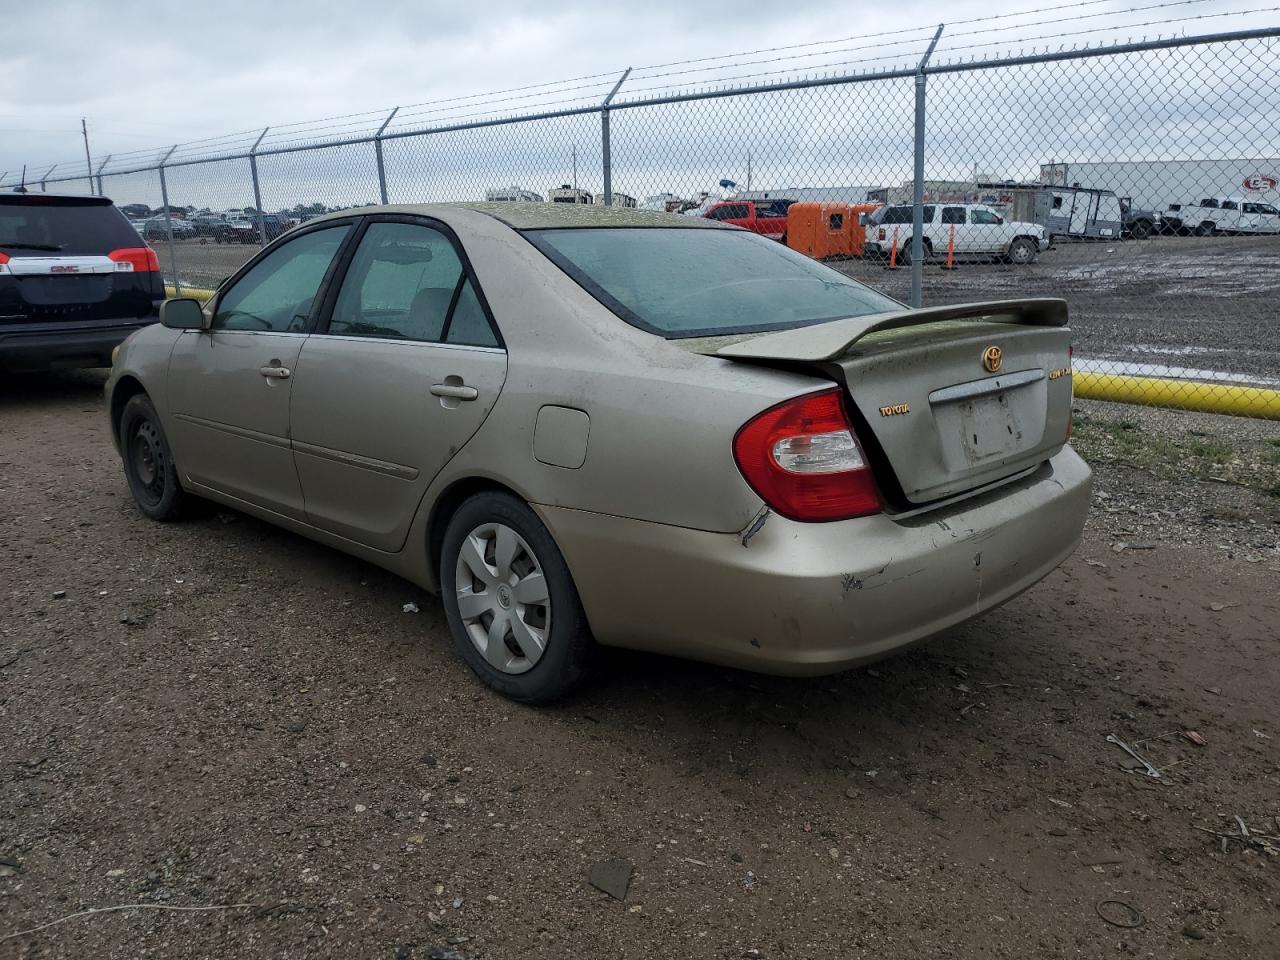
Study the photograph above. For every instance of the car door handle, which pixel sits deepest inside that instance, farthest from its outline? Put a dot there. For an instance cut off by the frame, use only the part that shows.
(457, 391)
(274, 372)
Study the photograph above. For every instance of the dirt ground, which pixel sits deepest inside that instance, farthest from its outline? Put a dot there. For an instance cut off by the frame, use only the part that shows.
(220, 713)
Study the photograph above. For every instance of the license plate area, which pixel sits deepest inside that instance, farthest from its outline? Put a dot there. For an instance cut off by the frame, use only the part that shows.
(978, 429)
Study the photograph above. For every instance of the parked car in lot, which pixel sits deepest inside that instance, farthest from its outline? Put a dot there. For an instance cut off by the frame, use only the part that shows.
(765, 217)
(245, 230)
(75, 280)
(979, 231)
(157, 228)
(593, 425)
(206, 225)
(1224, 215)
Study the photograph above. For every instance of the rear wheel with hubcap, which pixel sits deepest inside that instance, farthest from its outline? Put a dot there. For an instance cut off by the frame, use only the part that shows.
(512, 606)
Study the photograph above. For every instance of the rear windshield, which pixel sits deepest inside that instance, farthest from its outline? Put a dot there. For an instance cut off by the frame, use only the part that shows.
(57, 226)
(693, 283)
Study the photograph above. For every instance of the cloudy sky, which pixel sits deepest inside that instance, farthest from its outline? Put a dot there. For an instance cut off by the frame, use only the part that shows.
(145, 74)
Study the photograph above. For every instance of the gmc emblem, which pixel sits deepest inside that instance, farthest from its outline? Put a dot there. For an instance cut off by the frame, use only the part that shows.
(65, 268)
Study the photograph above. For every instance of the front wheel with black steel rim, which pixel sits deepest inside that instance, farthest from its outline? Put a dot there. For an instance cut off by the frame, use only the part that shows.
(148, 461)
(511, 604)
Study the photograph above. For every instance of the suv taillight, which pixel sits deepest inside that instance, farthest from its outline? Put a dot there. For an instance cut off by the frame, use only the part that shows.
(136, 260)
(802, 459)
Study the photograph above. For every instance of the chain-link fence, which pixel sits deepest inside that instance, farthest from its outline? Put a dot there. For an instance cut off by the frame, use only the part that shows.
(1139, 181)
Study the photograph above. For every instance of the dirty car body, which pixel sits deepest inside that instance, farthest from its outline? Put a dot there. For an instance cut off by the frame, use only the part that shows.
(693, 440)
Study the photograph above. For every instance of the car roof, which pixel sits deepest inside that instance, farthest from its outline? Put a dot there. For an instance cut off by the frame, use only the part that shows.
(543, 216)
(55, 199)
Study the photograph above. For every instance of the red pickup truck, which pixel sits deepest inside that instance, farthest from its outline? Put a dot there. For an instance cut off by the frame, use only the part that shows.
(766, 217)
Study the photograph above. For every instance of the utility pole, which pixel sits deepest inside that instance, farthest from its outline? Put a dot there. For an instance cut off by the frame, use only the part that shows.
(575, 173)
(88, 162)
(748, 169)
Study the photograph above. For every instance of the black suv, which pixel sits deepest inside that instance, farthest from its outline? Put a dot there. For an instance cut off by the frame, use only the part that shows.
(75, 280)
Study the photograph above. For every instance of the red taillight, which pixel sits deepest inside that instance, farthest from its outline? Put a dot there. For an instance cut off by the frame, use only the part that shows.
(4, 258)
(802, 459)
(136, 259)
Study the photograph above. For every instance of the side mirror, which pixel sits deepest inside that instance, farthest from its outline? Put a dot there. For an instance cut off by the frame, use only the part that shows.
(182, 314)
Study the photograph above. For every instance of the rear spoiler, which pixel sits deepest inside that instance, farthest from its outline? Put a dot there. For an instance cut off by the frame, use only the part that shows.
(826, 341)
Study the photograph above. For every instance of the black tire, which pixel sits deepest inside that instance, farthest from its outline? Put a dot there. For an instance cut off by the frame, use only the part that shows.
(1141, 229)
(148, 462)
(565, 662)
(904, 254)
(1023, 251)
(1206, 229)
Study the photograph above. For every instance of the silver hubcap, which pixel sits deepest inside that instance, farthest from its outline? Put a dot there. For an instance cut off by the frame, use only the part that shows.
(502, 598)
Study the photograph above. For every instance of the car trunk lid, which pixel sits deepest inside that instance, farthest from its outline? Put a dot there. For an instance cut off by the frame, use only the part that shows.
(945, 399)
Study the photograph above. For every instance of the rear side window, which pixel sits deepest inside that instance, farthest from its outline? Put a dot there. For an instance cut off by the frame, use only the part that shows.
(56, 226)
(954, 214)
(406, 282)
(903, 214)
(730, 211)
(681, 282)
(401, 284)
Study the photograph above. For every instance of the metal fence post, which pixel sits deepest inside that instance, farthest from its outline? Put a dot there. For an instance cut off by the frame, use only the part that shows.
(917, 193)
(604, 139)
(257, 193)
(377, 150)
(99, 174)
(168, 224)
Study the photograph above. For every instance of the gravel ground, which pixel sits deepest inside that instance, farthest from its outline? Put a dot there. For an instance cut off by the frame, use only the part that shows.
(221, 713)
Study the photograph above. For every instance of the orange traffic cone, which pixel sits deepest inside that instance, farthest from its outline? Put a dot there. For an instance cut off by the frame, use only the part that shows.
(893, 252)
(951, 250)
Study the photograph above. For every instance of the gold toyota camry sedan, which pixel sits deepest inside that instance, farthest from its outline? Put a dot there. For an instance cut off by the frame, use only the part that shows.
(589, 426)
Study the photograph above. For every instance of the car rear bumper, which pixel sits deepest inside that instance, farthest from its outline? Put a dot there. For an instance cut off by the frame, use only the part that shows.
(33, 347)
(813, 598)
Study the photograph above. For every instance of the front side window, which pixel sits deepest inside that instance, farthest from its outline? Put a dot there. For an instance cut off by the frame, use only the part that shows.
(278, 292)
(703, 282)
(1228, 205)
(730, 211)
(406, 282)
(983, 216)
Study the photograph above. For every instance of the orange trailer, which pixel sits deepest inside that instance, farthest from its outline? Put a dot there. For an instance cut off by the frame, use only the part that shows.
(826, 230)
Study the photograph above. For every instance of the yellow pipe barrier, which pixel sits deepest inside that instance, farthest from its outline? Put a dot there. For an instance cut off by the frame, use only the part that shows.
(196, 292)
(1230, 399)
